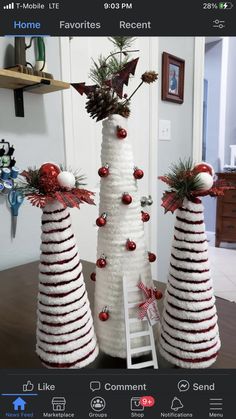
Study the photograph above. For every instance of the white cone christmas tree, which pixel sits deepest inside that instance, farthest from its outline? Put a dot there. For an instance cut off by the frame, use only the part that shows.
(189, 334)
(121, 250)
(65, 332)
(121, 241)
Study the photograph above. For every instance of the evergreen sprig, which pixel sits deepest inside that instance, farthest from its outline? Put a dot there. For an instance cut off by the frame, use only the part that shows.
(182, 179)
(122, 42)
(100, 71)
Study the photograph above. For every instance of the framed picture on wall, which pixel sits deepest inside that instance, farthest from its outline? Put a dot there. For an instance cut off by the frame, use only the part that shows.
(172, 78)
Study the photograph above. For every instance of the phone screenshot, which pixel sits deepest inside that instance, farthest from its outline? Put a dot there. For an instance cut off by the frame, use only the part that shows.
(117, 209)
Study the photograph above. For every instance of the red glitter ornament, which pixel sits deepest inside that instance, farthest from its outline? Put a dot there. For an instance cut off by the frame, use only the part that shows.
(151, 257)
(138, 173)
(48, 173)
(130, 245)
(103, 171)
(49, 169)
(121, 133)
(104, 315)
(203, 167)
(93, 276)
(126, 198)
(145, 216)
(101, 221)
(101, 262)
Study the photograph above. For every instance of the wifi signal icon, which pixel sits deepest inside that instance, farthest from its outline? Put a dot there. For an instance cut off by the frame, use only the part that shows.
(9, 6)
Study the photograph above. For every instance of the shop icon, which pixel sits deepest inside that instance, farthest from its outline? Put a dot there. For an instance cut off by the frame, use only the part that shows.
(58, 404)
(135, 404)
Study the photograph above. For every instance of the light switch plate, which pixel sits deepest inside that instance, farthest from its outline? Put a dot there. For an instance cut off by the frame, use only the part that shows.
(164, 130)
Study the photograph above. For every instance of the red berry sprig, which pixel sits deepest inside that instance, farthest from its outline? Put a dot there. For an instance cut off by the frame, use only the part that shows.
(145, 216)
(151, 257)
(126, 198)
(102, 220)
(121, 133)
(104, 171)
(130, 245)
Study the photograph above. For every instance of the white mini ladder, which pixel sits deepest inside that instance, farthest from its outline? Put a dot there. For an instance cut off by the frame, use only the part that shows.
(130, 291)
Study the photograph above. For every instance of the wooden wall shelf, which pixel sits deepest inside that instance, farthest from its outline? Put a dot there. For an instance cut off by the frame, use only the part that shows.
(20, 82)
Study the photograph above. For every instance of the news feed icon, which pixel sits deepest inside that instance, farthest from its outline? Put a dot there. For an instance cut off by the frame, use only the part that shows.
(9, 6)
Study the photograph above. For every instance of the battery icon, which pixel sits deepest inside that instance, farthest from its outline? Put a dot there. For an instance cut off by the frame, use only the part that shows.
(227, 5)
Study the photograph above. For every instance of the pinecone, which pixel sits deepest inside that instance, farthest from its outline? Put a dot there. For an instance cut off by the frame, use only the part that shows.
(101, 104)
(123, 110)
(149, 77)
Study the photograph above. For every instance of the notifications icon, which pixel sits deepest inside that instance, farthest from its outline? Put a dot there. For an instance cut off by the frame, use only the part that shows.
(95, 385)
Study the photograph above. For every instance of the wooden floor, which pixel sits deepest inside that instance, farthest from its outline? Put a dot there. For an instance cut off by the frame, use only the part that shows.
(18, 295)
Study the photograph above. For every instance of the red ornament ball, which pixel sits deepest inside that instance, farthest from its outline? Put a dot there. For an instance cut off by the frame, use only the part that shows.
(158, 294)
(138, 173)
(101, 263)
(101, 221)
(121, 133)
(126, 199)
(103, 171)
(151, 257)
(93, 276)
(103, 316)
(203, 167)
(130, 245)
(145, 216)
(49, 169)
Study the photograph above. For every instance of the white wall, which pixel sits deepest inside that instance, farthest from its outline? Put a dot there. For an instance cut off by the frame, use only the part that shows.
(181, 117)
(37, 138)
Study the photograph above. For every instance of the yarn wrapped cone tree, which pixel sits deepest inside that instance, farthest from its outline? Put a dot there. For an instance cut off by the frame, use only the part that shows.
(65, 332)
(121, 249)
(121, 241)
(189, 333)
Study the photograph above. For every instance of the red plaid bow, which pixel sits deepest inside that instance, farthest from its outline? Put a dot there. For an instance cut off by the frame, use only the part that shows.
(151, 296)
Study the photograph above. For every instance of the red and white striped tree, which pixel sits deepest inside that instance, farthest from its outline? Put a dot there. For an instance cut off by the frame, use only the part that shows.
(65, 332)
(189, 333)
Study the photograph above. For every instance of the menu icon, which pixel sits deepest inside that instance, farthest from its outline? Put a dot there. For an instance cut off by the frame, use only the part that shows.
(216, 404)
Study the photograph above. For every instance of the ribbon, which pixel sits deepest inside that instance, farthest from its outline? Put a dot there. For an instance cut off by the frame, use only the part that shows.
(151, 297)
